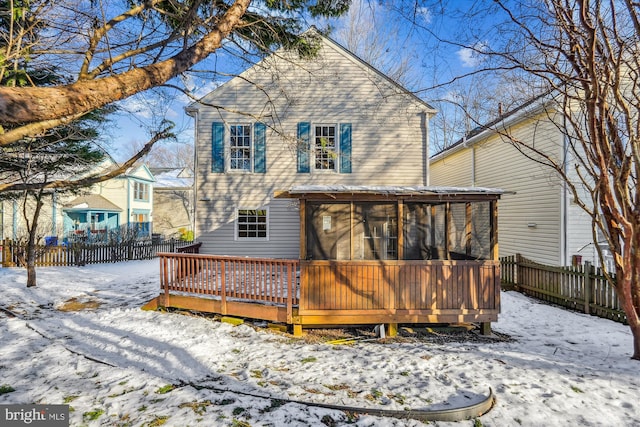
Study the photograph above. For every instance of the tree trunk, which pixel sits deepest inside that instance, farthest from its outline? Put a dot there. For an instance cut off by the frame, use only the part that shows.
(628, 290)
(31, 243)
(33, 104)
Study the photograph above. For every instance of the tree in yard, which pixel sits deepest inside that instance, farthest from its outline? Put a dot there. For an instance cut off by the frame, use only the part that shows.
(65, 152)
(59, 152)
(372, 31)
(116, 49)
(588, 55)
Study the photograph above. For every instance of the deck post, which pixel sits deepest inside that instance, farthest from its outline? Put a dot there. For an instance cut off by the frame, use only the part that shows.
(291, 277)
(223, 291)
(485, 328)
(392, 329)
(7, 253)
(164, 278)
(297, 330)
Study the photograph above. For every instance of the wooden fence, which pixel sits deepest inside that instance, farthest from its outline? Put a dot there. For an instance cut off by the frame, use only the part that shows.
(14, 254)
(581, 287)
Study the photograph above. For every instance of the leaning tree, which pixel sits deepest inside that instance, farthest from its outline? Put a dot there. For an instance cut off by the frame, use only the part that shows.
(119, 48)
(105, 51)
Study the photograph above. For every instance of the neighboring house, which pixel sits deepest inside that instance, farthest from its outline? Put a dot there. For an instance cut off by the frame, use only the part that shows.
(538, 217)
(172, 201)
(112, 206)
(330, 120)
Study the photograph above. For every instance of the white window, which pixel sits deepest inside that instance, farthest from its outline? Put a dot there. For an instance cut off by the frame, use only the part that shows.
(325, 147)
(240, 147)
(141, 191)
(252, 224)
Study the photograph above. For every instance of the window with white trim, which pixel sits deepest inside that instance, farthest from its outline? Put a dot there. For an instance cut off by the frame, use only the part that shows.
(240, 155)
(252, 224)
(325, 147)
(140, 191)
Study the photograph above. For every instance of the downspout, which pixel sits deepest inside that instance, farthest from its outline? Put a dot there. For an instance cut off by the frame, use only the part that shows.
(473, 165)
(194, 220)
(564, 199)
(424, 119)
(128, 184)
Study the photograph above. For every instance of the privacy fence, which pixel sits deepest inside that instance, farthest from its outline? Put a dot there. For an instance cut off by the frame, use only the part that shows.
(581, 287)
(14, 253)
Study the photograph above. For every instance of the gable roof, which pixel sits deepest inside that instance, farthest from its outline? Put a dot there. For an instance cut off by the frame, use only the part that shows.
(91, 202)
(327, 41)
(366, 66)
(172, 178)
(141, 172)
(525, 110)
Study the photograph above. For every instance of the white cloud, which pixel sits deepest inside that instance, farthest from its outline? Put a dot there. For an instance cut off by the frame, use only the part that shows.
(471, 57)
(467, 57)
(137, 106)
(424, 13)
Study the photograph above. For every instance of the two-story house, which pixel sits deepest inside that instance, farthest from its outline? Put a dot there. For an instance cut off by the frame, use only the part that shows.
(539, 218)
(118, 205)
(331, 120)
(311, 194)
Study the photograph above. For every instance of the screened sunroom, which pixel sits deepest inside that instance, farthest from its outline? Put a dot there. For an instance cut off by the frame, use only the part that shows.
(397, 254)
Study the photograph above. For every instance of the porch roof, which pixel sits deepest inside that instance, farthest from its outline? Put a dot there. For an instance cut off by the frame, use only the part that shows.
(395, 192)
(93, 202)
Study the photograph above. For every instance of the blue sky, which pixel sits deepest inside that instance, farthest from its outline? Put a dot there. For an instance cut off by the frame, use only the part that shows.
(431, 62)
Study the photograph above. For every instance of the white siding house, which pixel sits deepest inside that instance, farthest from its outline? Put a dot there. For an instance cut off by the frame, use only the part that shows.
(538, 218)
(286, 121)
(125, 201)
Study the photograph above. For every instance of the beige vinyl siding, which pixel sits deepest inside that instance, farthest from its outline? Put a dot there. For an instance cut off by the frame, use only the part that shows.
(537, 198)
(538, 191)
(171, 211)
(388, 144)
(283, 229)
(454, 170)
(579, 234)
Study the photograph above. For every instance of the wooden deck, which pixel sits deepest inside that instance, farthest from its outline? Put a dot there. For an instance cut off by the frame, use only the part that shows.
(312, 293)
(352, 292)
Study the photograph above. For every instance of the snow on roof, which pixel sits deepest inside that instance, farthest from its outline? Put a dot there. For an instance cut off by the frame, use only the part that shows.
(173, 178)
(392, 190)
(92, 201)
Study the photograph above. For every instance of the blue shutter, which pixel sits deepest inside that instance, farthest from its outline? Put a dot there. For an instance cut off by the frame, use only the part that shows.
(304, 136)
(217, 147)
(345, 147)
(259, 139)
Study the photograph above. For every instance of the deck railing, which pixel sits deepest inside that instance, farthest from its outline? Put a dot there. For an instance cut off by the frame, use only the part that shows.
(333, 292)
(251, 279)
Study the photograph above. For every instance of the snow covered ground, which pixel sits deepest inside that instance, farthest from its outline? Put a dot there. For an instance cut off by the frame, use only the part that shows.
(117, 365)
